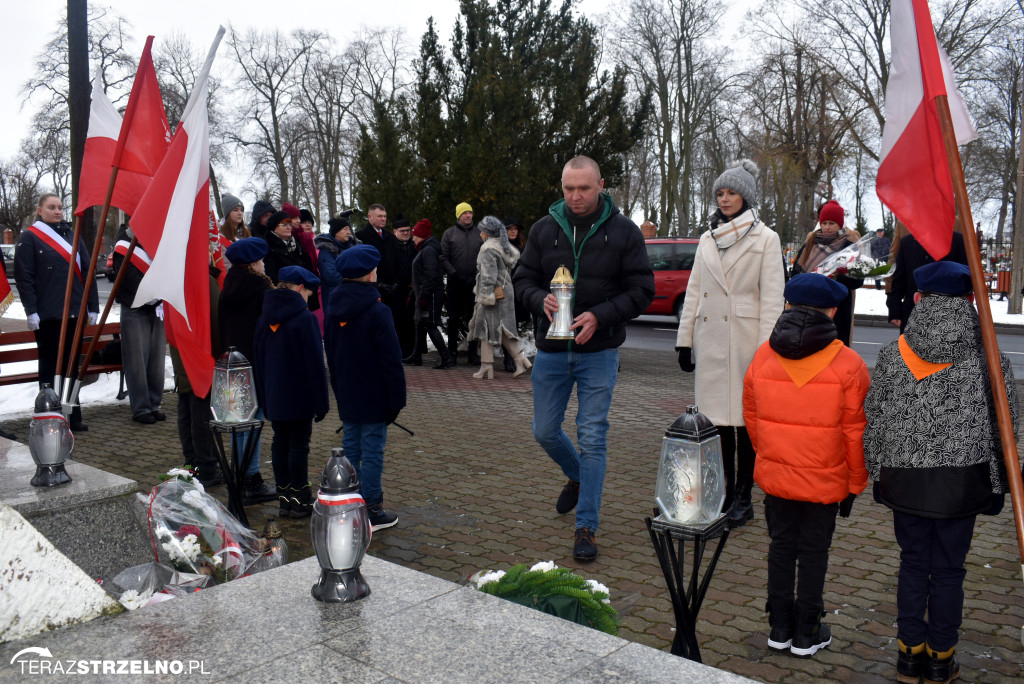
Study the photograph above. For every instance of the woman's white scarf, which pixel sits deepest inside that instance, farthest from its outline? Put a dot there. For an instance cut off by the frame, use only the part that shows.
(728, 234)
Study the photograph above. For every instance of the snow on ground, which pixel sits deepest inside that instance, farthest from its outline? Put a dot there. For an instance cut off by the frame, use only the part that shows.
(17, 400)
(871, 302)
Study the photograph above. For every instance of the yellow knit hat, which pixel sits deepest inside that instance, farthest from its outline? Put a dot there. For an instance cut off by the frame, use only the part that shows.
(461, 209)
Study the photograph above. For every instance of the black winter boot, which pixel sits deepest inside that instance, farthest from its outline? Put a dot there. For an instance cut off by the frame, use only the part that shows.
(284, 502)
(302, 502)
(509, 363)
(910, 662)
(255, 490)
(742, 508)
(942, 667)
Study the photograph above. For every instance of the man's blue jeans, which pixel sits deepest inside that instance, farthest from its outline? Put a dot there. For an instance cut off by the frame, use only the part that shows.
(364, 449)
(594, 374)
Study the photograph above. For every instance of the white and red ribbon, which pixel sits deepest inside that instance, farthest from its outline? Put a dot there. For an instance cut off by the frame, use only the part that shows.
(58, 243)
(140, 259)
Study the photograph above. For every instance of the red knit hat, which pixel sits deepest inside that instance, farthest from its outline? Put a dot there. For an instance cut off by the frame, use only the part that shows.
(423, 228)
(290, 209)
(832, 212)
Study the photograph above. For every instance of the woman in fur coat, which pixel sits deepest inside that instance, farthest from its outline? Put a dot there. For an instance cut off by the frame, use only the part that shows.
(732, 302)
(494, 318)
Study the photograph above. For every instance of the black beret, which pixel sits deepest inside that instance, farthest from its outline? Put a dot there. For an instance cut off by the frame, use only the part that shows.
(814, 289)
(944, 278)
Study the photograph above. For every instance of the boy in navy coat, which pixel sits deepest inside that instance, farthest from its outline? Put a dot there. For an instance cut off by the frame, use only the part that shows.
(291, 383)
(368, 376)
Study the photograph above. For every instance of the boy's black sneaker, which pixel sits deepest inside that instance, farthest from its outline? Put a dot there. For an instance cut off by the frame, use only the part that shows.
(910, 662)
(809, 640)
(781, 637)
(941, 667)
(381, 518)
(585, 548)
(569, 497)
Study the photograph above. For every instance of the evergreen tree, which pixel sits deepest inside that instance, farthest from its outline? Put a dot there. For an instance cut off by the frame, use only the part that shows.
(387, 171)
(519, 96)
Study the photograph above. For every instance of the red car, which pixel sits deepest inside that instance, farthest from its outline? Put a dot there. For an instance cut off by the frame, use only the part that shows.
(671, 259)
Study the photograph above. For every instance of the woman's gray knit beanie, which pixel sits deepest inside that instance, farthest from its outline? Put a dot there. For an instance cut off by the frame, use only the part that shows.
(740, 176)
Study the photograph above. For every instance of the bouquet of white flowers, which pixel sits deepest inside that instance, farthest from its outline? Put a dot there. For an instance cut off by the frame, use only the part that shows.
(856, 262)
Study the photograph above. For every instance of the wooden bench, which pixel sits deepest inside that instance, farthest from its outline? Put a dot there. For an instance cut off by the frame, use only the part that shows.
(11, 351)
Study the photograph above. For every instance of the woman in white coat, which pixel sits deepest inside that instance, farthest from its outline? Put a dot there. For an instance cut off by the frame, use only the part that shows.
(732, 302)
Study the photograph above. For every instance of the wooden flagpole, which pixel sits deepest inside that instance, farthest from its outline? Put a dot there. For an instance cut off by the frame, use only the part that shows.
(103, 317)
(89, 280)
(58, 382)
(988, 332)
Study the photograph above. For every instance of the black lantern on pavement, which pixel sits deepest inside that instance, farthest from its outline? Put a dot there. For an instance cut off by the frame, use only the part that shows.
(691, 483)
(341, 533)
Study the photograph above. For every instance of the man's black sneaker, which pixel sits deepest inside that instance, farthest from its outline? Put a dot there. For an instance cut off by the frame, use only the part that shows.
(144, 418)
(210, 481)
(255, 490)
(941, 667)
(585, 548)
(160, 415)
(810, 639)
(79, 427)
(380, 517)
(568, 498)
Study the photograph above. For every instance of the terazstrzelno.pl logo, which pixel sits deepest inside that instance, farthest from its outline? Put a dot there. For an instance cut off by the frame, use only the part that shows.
(39, 661)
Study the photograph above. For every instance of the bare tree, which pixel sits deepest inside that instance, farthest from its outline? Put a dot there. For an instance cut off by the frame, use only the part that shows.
(177, 63)
(666, 47)
(266, 123)
(18, 187)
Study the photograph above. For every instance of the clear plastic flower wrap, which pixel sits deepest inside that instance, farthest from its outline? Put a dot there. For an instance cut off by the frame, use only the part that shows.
(143, 585)
(856, 262)
(194, 533)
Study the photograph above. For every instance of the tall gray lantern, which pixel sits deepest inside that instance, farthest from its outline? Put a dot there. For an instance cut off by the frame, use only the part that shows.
(49, 440)
(691, 484)
(341, 533)
(233, 395)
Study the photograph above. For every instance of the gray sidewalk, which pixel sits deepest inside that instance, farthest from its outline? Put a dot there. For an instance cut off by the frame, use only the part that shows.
(473, 491)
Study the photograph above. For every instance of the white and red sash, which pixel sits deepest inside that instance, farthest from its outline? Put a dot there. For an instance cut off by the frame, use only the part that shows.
(57, 243)
(140, 259)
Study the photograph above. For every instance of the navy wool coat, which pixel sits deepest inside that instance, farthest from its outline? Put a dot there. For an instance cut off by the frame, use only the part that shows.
(366, 360)
(291, 381)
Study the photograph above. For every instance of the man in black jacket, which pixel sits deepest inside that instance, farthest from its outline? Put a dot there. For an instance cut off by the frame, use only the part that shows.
(605, 253)
(143, 344)
(911, 256)
(460, 246)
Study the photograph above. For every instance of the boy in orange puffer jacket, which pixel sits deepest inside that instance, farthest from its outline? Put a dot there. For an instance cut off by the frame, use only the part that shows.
(803, 405)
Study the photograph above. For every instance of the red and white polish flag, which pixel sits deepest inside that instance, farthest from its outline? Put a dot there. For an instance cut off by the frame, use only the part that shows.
(136, 145)
(171, 221)
(913, 179)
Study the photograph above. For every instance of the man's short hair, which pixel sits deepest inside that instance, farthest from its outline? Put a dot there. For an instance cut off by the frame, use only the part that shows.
(583, 162)
(375, 205)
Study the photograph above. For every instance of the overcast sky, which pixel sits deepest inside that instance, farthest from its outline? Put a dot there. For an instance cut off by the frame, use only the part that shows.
(31, 25)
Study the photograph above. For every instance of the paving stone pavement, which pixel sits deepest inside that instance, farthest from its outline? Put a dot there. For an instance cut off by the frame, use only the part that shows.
(472, 491)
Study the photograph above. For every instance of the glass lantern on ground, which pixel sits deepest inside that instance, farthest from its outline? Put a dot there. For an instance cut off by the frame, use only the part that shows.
(49, 440)
(691, 484)
(341, 533)
(233, 395)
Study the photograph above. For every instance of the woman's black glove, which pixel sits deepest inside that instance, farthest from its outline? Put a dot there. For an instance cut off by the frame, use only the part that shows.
(846, 505)
(686, 364)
